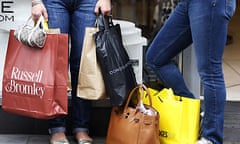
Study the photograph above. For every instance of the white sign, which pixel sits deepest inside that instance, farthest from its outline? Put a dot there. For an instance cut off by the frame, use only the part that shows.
(13, 13)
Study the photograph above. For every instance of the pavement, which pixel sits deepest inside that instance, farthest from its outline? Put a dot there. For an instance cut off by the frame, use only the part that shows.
(44, 139)
(231, 131)
(37, 139)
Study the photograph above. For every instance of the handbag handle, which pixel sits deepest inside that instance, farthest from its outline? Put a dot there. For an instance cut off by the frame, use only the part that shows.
(143, 88)
(40, 21)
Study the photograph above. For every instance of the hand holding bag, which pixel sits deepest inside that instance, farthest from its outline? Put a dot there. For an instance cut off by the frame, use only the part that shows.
(134, 124)
(30, 35)
(179, 121)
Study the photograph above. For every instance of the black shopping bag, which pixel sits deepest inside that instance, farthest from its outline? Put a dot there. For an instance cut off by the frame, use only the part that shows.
(118, 74)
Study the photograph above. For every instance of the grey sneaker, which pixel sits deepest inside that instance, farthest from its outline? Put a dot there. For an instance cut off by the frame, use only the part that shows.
(204, 141)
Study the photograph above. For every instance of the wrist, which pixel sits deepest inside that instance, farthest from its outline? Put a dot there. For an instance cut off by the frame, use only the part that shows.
(36, 2)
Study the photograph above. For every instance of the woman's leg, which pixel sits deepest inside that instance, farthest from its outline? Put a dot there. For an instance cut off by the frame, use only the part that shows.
(83, 16)
(174, 37)
(209, 23)
(58, 18)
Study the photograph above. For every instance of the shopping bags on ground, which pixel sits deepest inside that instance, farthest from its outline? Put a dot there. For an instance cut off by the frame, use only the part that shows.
(118, 74)
(35, 80)
(90, 80)
(136, 124)
(179, 121)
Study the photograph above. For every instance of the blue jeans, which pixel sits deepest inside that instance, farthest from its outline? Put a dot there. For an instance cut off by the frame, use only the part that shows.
(72, 16)
(203, 23)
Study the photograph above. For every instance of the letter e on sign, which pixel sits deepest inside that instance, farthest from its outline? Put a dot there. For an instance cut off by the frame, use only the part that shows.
(6, 6)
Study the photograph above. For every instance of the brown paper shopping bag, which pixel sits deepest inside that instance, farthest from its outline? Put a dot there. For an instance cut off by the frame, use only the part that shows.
(90, 81)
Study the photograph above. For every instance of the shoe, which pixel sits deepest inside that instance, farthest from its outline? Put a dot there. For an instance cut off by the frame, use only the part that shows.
(59, 138)
(204, 141)
(63, 141)
(83, 138)
(82, 141)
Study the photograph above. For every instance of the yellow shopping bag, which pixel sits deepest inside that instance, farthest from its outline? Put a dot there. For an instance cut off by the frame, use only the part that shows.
(179, 117)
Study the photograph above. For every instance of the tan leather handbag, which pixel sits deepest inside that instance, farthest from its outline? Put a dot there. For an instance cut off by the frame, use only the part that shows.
(134, 124)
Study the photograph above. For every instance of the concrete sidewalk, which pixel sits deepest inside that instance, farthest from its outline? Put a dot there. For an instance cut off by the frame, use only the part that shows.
(231, 131)
(44, 139)
(37, 139)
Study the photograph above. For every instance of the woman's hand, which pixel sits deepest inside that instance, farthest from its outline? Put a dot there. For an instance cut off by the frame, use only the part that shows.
(104, 6)
(38, 10)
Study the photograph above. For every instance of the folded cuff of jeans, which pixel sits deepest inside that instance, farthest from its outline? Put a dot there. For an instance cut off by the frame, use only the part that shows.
(56, 130)
(76, 130)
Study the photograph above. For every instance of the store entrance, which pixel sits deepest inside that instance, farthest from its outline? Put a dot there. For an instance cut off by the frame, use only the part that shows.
(231, 59)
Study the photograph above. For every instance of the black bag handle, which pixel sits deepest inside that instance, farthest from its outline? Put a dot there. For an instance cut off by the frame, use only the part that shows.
(104, 22)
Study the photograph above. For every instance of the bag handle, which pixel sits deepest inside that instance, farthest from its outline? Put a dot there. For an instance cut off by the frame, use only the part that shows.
(104, 22)
(21, 28)
(40, 21)
(143, 88)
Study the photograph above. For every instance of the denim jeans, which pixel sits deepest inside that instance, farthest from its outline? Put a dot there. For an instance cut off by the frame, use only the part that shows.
(203, 23)
(72, 16)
